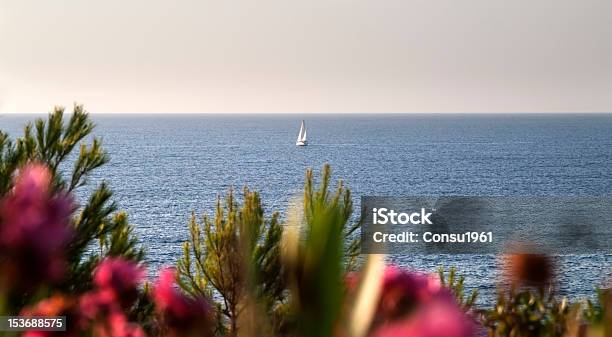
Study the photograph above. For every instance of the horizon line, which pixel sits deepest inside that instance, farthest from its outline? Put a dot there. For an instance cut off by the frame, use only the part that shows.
(67, 110)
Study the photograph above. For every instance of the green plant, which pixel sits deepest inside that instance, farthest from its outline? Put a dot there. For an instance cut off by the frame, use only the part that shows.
(52, 142)
(527, 313)
(455, 284)
(235, 254)
(315, 253)
(595, 310)
(598, 315)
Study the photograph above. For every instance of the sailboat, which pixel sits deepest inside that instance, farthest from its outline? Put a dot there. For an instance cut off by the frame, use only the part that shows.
(301, 139)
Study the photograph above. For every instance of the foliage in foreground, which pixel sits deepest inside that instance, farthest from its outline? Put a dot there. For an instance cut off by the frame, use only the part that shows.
(60, 145)
(314, 254)
(527, 313)
(455, 283)
(236, 254)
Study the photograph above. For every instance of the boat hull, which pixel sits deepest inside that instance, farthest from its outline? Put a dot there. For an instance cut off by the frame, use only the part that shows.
(300, 143)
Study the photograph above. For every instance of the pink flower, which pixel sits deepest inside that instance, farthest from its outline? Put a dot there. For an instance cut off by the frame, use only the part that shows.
(116, 282)
(181, 315)
(416, 305)
(403, 291)
(437, 318)
(117, 325)
(98, 304)
(120, 279)
(34, 230)
(103, 314)
(120, 327)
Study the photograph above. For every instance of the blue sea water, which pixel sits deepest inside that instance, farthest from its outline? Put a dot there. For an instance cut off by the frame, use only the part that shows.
(163, 167)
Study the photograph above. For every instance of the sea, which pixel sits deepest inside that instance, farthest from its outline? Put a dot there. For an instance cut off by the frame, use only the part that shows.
(164, 167)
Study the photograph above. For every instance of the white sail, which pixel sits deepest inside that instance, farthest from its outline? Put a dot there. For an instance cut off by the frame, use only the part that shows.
(301, 139)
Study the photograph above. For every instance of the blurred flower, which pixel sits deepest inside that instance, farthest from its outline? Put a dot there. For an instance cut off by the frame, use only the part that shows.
(117, 325)
(102, 312)
(529, 269)
(403, 291)
(57, 305)
(116, 282)
(34, 230)
(181, 315)
(98, 304)
(416, 305)
(437, 318)
(118, 279)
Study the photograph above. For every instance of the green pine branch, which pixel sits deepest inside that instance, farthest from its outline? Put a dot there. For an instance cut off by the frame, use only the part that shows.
(52, 141)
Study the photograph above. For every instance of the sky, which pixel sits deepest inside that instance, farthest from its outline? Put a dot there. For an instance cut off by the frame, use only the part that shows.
(279, 56)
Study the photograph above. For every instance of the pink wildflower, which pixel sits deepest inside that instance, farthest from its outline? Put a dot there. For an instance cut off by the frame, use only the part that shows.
(34, 230)
(117, 325)
(120, 278)
(98, 304)
(437, 318)
(416, 305)
(403, 291)
(181, 315)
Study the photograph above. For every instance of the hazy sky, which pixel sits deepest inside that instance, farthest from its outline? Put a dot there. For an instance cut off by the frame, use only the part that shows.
(306, 56)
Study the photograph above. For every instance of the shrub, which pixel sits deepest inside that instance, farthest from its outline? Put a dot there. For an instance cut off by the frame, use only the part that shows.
(235, 254)
(527, 313)
(95, 222)
(315, 254)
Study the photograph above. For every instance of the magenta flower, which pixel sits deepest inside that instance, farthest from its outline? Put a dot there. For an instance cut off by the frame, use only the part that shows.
(404, 291)
(416, 305)
(117, 325)
(98, 304)
(437, 318)
(120, 279)
(181, 315)
(116, 282)
(34, 230)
